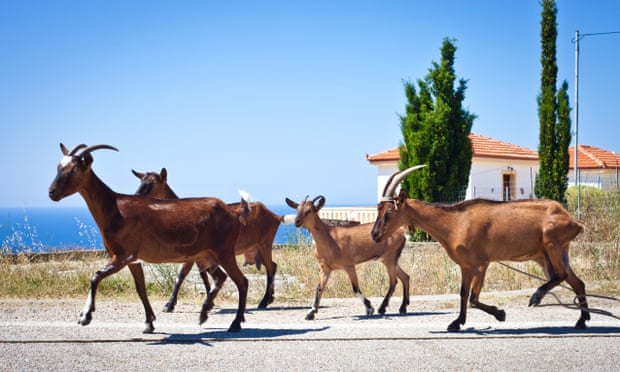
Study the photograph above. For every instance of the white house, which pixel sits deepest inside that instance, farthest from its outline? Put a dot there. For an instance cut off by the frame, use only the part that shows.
(597, 167)
(499, 170)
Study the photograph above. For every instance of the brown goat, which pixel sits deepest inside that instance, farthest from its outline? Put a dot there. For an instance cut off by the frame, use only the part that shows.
(477, 232)
(137, 228)
(343, 247)
(255, 240)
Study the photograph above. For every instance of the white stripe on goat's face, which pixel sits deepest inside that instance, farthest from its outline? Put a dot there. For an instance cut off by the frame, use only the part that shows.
(65, 160)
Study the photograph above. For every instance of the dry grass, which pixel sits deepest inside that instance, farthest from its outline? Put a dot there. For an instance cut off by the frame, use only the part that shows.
(431, 271)
(595, 257)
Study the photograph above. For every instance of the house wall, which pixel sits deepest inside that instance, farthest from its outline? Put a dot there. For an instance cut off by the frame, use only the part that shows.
(486, 178)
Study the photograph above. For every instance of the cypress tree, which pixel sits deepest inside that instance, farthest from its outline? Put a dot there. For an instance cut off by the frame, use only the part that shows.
(436, 130)
(553, 115)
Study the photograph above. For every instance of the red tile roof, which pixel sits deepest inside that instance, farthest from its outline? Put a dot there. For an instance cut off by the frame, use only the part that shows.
(589, 157)
(482, 146)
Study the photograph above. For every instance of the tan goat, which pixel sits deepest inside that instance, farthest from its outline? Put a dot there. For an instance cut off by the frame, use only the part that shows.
(343, 247)
(477, 232)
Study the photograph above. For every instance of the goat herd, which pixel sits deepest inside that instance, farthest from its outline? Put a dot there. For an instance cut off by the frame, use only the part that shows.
(158, 227)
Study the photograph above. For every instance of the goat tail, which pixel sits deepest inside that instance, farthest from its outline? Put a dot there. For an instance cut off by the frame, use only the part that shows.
(244, 207)
(288, 219)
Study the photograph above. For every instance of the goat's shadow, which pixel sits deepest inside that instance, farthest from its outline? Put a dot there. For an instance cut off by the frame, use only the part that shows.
(206, 338)
(551, 331)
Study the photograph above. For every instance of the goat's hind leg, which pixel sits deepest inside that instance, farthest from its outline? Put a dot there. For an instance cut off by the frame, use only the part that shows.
(242, 286)
(580, 290)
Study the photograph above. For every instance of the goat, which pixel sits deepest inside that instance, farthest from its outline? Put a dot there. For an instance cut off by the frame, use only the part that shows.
(137, 228)
(255, 240)
(343, 247)
(476, 232)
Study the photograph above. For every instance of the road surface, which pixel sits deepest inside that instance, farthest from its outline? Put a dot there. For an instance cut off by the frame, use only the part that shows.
(44, 335)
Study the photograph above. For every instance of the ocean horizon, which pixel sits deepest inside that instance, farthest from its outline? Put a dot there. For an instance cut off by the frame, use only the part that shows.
(52, 229)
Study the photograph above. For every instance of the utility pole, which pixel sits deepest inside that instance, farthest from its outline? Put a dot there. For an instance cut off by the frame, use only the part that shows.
(576, 41)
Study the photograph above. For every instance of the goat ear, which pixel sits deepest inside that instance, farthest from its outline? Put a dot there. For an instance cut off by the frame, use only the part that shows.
(163, 174)
(291, 203)
(137, 174)
(402, 196)
(64, 150)
(87, 159)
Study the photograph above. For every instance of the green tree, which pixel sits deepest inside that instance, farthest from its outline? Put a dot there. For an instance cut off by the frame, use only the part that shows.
(553, 115)
(436, 130)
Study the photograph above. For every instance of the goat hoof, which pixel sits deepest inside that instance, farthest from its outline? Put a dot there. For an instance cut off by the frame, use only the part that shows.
(454, 326)
(581, 324)
(168, 308)
(263, 304)
(403, 309)
(85, 319)
(149, 328)
(203, 317)
(370, 311)
(381, 310)
(310, 316)
(500, 315)
(235, 327)
(535, 299)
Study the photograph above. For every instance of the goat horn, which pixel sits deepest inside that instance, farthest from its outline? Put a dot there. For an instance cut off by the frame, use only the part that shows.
(90, 149)
(396, 178)
(72, 152)
(317, 198)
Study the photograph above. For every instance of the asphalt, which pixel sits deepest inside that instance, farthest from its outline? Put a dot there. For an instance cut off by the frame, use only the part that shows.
(43, 334)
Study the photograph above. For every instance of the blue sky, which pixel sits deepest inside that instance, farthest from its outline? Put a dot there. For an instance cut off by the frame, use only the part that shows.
(279, 98)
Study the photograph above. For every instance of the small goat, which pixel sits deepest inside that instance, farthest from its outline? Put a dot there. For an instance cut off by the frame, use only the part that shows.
(341, 248)
(477, 232)
(255, 240)
(137, 228)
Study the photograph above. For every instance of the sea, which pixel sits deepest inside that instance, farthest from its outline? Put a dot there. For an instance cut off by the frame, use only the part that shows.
(54, 229)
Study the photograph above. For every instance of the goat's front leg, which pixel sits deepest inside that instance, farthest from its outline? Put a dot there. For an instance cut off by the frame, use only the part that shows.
(138, 278)
(112, 267)
(356, 289)
(325, 273)
(476, 287)
(466, 277)
(185, 269)
(219, 277)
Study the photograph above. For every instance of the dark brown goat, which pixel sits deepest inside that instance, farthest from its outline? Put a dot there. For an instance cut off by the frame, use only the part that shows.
(255, 240)
(137, 228)
(477, 232)
(343, 247)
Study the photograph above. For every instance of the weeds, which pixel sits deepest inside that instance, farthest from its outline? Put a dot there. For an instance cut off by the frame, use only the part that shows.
(594, 256)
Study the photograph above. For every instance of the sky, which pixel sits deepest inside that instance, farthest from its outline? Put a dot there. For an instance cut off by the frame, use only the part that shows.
(278, 98)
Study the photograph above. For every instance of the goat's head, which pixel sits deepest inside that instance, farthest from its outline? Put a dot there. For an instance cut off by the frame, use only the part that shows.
(306, 208)
(71, 169)
(387, 210)
(152, 183)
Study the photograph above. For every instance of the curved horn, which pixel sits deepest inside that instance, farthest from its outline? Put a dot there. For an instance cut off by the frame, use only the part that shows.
(321, 200)
(90, 149)
(72, 152)
(396, 178)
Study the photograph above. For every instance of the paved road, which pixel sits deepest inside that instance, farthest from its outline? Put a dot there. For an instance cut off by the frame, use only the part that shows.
(44, 335)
